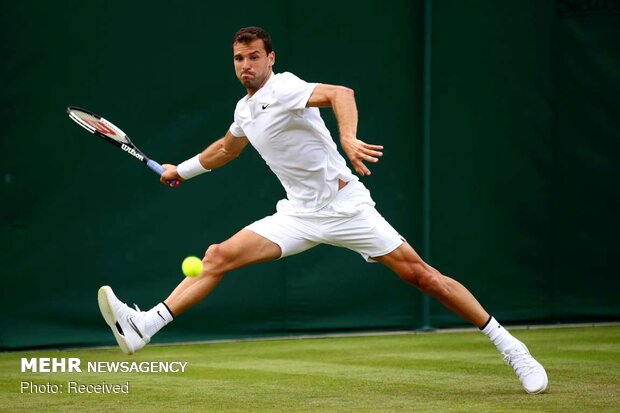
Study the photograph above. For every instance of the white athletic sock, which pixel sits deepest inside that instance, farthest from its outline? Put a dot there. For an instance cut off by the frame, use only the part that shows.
(156, 318)
(502, 339)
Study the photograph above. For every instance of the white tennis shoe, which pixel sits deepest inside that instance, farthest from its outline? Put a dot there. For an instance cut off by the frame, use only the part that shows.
(531, 373)
(126, 323)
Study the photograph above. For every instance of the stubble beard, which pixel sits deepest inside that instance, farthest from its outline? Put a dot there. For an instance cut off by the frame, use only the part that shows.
(255, 83)
(250, 83)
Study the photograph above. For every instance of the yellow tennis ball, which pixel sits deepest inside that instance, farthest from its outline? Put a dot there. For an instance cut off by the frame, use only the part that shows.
(192, 266)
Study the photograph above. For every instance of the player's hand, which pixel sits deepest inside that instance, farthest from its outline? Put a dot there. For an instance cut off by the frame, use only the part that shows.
(170, 174)
(359, 152)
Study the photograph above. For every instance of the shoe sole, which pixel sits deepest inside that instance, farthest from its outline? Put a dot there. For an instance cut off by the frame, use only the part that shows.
(105, 306)
(543, 389)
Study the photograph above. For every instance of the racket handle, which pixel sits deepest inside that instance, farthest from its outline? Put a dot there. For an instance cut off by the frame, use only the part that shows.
(158, 169)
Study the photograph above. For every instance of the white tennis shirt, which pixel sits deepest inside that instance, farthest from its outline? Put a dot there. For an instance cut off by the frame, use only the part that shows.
(293, 141)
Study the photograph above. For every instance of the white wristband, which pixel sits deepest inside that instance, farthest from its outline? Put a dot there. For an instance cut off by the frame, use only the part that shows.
(191, 168)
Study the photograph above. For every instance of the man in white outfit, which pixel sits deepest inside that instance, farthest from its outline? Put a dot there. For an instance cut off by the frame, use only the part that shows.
(325, 203)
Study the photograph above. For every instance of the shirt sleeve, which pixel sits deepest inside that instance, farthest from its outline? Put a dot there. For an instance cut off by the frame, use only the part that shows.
(236, 130)
(292, 92)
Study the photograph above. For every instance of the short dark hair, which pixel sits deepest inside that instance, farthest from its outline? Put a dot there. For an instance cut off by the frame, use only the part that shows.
(249, 34)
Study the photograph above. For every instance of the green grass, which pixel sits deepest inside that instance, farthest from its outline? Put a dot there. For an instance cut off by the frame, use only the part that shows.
(446, 372)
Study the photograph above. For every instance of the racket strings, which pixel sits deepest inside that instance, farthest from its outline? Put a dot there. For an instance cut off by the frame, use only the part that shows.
(99, 125)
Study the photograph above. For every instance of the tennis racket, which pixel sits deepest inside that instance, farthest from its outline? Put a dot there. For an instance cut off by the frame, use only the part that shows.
(109, 132)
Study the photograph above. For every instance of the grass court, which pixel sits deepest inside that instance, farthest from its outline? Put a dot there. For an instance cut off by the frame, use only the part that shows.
(435, 372)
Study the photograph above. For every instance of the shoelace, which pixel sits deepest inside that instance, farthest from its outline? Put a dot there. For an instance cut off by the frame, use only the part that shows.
(521, 361)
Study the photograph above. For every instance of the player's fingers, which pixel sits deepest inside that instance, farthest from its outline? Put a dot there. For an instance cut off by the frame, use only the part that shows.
(363, 153)
(373, 153)
(373, 147)
(370, 156)
(361, 169)
(170, 181)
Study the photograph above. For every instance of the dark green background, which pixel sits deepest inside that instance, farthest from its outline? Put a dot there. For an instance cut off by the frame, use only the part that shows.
(524, 144)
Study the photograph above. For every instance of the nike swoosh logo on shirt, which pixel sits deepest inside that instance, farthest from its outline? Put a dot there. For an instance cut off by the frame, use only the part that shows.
(265, 106)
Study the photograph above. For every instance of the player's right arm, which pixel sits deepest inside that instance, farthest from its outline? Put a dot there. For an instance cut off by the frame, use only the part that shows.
(219, 153)
(222, 151)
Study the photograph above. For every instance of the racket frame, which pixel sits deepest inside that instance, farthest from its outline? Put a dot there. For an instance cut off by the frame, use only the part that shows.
(127, 146)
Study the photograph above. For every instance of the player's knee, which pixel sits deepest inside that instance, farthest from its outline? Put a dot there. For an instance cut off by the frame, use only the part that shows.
(426, 279)
(219, 258)
(214, 256)
(348, 91)
(410, 272)
(432, 283)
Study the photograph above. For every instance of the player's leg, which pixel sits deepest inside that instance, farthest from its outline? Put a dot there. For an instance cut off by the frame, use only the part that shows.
(375, 239)
(244, 248)
(267, 239)
(405, 262)
(133, 329)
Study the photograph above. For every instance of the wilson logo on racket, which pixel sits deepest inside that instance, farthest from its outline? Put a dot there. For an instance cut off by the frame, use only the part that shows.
(109, 132)
(131, 151)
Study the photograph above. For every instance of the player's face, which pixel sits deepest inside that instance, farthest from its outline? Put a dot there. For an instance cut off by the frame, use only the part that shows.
(252, 64)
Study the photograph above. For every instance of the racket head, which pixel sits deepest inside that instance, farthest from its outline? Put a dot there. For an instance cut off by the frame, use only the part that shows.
(99, 126)
(105, 129)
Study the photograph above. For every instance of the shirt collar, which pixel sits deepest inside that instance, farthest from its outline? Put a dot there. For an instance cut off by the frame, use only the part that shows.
(259, 91)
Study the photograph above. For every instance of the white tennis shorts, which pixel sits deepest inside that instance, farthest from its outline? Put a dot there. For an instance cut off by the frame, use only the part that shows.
(350, 221)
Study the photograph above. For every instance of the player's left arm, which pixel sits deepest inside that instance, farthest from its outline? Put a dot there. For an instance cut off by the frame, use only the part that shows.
(342, 101)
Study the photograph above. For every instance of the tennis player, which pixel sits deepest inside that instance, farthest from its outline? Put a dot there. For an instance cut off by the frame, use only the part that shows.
(325, 203)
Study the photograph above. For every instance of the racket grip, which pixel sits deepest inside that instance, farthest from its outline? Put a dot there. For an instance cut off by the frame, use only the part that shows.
(158, 169)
